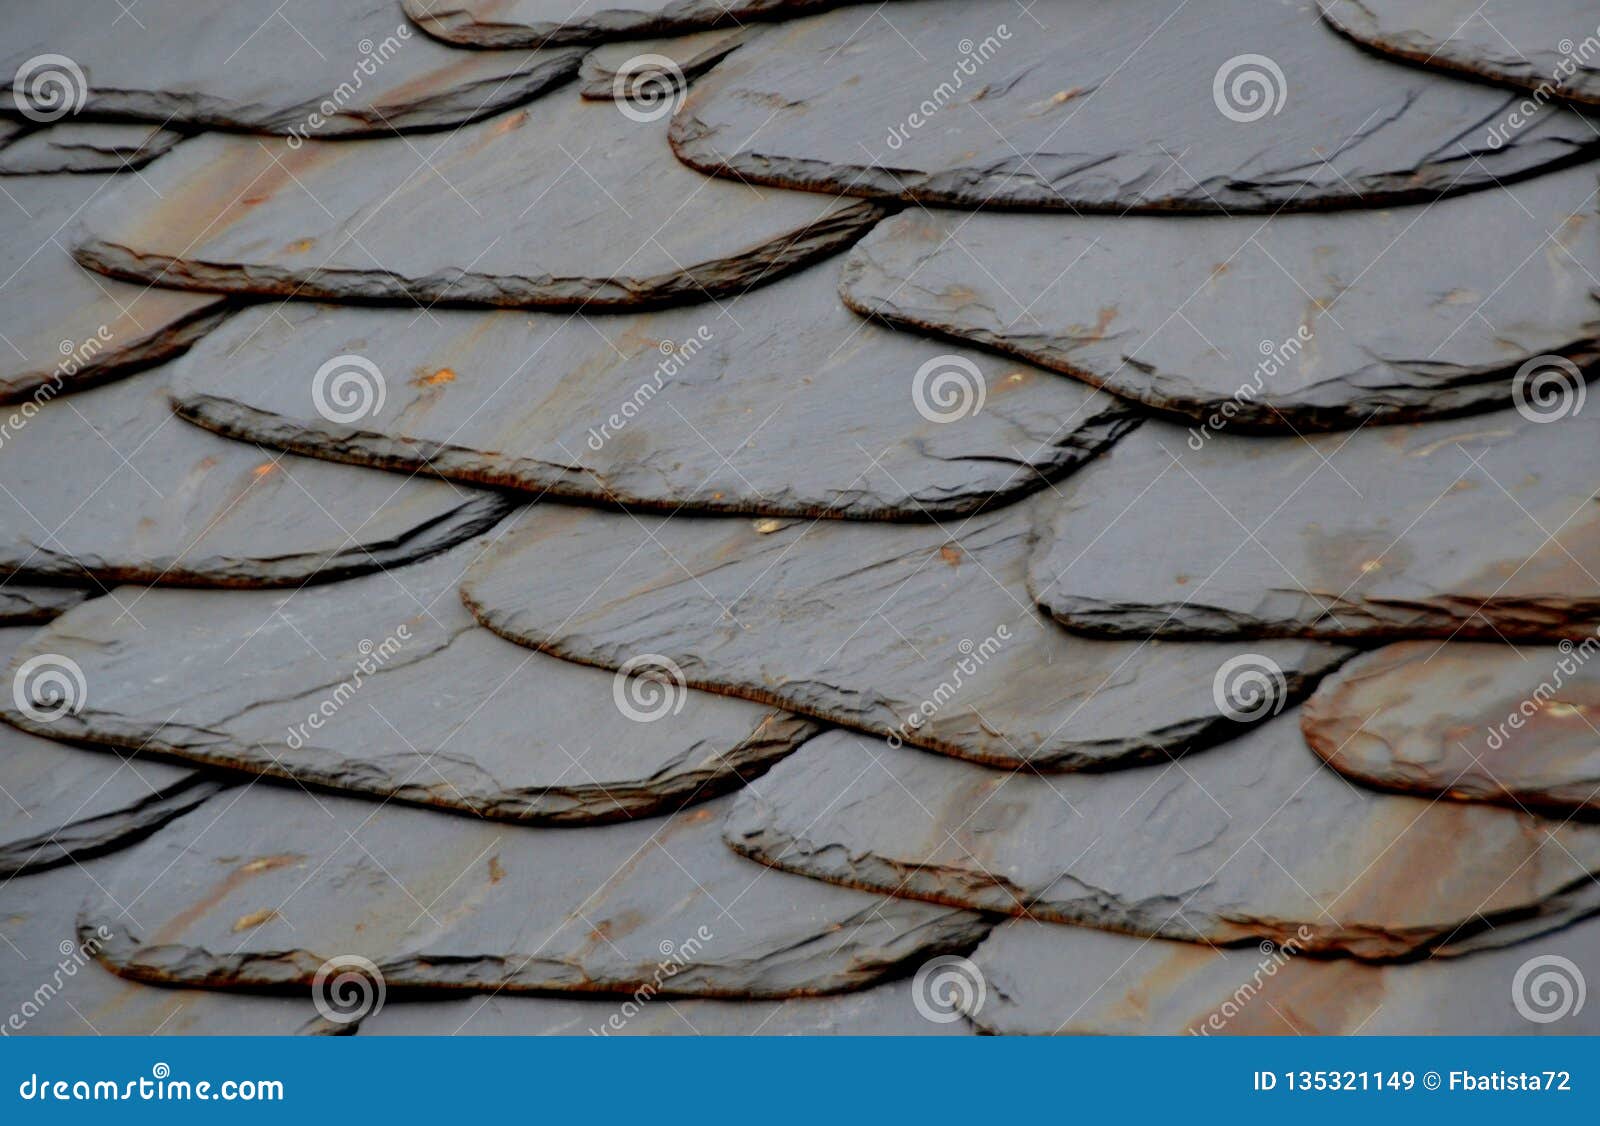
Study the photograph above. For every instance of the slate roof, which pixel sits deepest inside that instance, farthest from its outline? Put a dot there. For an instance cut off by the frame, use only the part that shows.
(944, 517)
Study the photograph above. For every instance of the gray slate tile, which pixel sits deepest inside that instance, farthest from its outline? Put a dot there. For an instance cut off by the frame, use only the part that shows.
(384, 685)
(84, 146)
(22, 604)
(1149, 105)
(654, 71)
(566, 202)
(264, 891)
(536, 23)
(109, 485)
(1254, 839)
(1382, 534)
(781, 402)
(1293, 323)
(924, 633)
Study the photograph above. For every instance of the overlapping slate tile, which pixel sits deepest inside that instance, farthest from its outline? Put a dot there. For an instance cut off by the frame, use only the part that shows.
(276, 66)
(537, 23)
(783, 403)
(1548, 47)
(1254, 839)
(653, 71)
(384, 685)
(84, 146)
(917, 632)
(1301, 322)
(280, 883)
(23, 603)
(109, 485)
(1480, 722)
(1473, 528)
(1144, 105)
(566, 202)
(1041, 979)
(62, 326)
(883, 1010)
(50, 984)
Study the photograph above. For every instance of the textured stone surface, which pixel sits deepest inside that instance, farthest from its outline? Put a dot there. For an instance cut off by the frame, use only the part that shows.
(566, 202)
(1042, 979)
(537, 23)
(1475, 528)
(82, 146)
(637, 70)
(863, 625)
(22, 604)
(1254, 839)
(1500, 40)
(783, 402)
(64, 326)
(1142, 105)
(412, 700)
(263, 65)
(883, 1010)
(50, 984)
(109, 485)
(1479, 722)
(278, 883)
(1300, 322)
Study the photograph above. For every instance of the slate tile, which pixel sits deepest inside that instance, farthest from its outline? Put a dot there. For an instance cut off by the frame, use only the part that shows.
(1254, 839)
(1474, 528)
(272, 66)
(1475, 722)
(383, 685)
(109, 485)
(50, 984)
(22, 604)
(1041, 979)
(1293, 323)
(264, 892)
(83, 146)
(780, 402)
(1148, 105)
(651, 70)
(537, 23)
(65, 327)
(565, 203)
(1552, 47)
(922, 633)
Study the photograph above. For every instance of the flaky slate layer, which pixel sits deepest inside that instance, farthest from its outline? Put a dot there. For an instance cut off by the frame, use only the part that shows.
(82, 146)
(23, 604)
(652, 72)
(537, 23)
